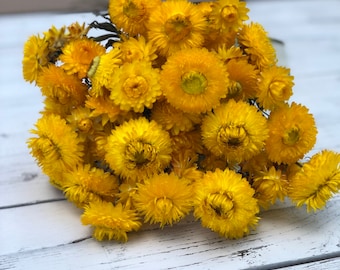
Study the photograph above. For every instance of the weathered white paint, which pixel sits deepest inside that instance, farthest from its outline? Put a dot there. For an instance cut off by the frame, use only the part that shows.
(39, 231)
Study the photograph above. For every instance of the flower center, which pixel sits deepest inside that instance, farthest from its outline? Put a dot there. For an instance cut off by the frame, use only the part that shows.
(177, 27)
(222, 204)
(133, 11)
(164, 205)
(48, 149)
(194, 83)
(234, 89)
(229, 13)
(277, 90)
(233, 136)
(291, 136)
(85, 125)
(135, 86)
(138, 154)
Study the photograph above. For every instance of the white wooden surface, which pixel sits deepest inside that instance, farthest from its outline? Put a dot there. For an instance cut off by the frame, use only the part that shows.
(40, 230)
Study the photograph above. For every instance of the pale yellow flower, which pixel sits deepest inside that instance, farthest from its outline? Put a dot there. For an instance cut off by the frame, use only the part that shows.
(225, 204)
(317, 181)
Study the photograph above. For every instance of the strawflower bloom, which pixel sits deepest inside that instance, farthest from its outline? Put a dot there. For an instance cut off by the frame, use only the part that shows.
(235, 130)
(275, 87)
(35, 58)
(243, 80)
(138, 149)
(110, 221)
(57, 146)
(198, 77)
(86, 184)
(225, 204)
(102, 69)
(255, 42)
(176, 25)
(164, 199)
(172, 119)
(292, 133)
(136, 49)
(131, 16)
(63, 88)
(78, 54)
(135, 86)
(317, 181)
(270, 184)
(228, 14)
(104, 108)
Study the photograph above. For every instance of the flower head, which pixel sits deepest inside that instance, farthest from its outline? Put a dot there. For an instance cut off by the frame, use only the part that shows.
(235, 130)
(86, 184)
(102, 69)
(243, 80)
(57, 146)
(256, 44)
(292, 133)
(78, 54)
(176, 25)
(317, 181)
(104, 107)
(164, 199)
(172, 119)
(198, 77)
(136, 49)
(64, 89)
(131, 15)
(138, 149)
(275, 87)
(135, 86)
(269, 186)
(110, 221)
(35, 58)
(228, 14)
(224, 203)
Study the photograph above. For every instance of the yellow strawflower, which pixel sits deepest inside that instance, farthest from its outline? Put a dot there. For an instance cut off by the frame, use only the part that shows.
(225, 204)
(235, 130)
(270, 184)
(292, 133)
(256, 44)
(110, 221)
(56, 146)
(163, 199)
(172, 119)
(86, 184)
(316, 182)
(228, 14)
(138, 149)
(105, 108)
(64, 89)
(136, 49)
(102, 69)
(275, 87)
(176, 25)
(77, 56)
(198, 77)
(35, 58)
(135, 86)
(243, 80)
(131, 16)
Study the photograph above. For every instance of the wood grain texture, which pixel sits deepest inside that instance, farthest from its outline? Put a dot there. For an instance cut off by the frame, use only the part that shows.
(38, 228)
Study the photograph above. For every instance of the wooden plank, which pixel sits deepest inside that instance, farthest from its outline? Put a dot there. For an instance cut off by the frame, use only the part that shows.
(40, 226)
(283, 236)
(332, 263)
